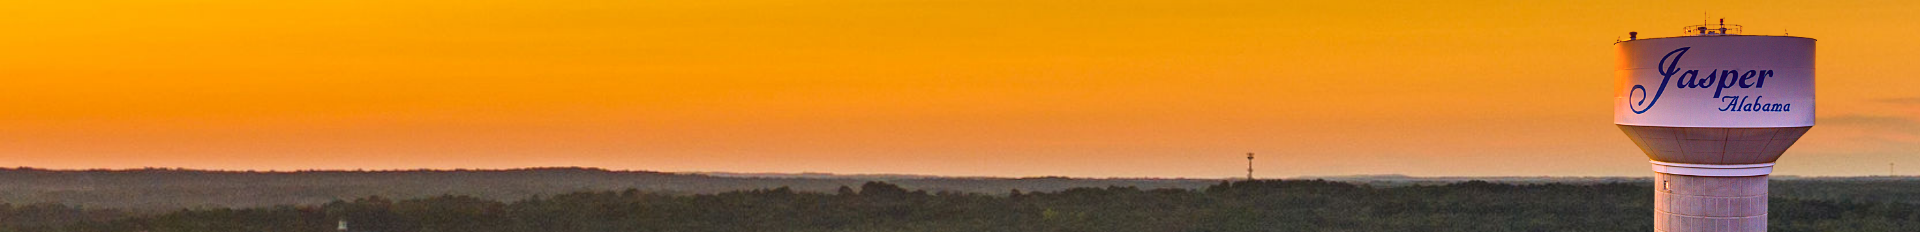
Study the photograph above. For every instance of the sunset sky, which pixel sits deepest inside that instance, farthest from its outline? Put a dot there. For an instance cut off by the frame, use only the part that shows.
(1109, 88)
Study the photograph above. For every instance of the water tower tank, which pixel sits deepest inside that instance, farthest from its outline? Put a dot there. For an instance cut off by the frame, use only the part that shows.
(1713, 110)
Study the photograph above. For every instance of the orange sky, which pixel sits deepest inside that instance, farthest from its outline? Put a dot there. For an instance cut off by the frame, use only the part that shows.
(980, 87)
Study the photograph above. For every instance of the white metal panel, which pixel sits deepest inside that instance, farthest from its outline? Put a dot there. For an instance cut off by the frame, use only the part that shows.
(1715, 81)
(1713, 169)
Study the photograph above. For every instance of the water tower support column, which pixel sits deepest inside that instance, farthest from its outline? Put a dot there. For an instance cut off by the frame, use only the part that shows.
(1709, 203)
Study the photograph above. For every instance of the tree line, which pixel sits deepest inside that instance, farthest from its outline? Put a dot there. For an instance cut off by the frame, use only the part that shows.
(1263, 205)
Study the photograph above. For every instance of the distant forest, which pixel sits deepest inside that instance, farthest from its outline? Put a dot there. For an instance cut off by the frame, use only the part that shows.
(579, 199)
(172, 189)
(1282, 205)
(164, 190)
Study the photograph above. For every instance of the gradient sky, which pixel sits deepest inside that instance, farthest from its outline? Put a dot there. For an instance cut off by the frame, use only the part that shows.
(1109, 88)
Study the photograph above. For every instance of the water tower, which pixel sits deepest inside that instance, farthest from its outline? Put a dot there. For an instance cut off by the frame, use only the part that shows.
(1713, 110)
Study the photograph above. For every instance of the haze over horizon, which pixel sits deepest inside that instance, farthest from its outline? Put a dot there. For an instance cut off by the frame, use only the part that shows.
(1126, 88)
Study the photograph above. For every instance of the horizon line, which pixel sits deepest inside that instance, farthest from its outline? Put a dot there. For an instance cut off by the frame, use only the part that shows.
(805, 174)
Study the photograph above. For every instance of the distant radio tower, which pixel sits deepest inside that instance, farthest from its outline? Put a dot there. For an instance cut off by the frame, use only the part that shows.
(1249, 165)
